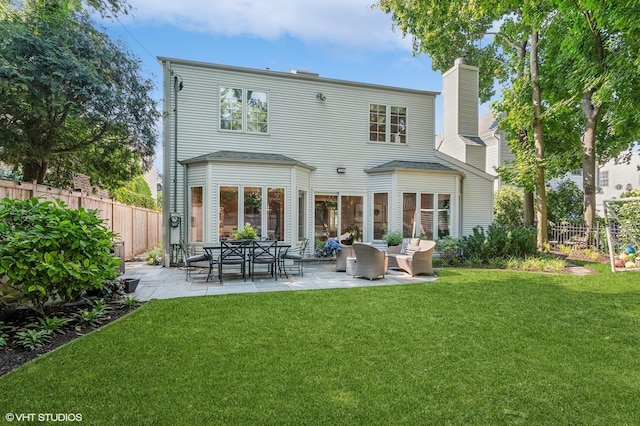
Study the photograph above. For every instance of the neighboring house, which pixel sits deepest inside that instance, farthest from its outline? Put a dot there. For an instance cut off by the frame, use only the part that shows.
(614, 179)
(300, 156)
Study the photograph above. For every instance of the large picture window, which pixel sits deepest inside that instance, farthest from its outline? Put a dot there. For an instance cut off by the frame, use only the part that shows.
(244, 110)
(387, 123)
(426, 215)
(265, 214)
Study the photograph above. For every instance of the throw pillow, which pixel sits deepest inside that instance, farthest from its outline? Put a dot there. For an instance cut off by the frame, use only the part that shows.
(405, 243)
(412, 248)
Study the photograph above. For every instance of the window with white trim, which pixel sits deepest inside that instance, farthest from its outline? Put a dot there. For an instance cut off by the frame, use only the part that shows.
(244, 110)
(387, 123)
(604, 178)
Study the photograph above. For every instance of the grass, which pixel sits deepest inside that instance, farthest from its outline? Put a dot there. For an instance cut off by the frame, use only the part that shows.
(475, 347)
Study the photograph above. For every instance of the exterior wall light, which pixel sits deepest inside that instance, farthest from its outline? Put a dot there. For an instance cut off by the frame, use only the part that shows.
(321, 97)
(341, 170)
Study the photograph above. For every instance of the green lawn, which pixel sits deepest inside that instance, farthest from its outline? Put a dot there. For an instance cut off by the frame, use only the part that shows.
(474, 347)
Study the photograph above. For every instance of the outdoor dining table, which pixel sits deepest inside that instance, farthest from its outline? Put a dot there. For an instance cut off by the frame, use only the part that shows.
(242, 250)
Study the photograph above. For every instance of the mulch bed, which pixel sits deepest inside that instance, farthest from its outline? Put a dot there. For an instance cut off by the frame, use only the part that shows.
(13, 356)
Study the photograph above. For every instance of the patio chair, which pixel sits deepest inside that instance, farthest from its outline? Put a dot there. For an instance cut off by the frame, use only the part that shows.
(370, 262)
(417, 259)
(190, 259)
(264, 253)
(296, 255)
(232, 253)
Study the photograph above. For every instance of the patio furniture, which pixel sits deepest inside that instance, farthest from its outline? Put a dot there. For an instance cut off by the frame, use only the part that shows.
(417, 259)
(370, 262)
(296, 255)
(341, 257)
(351, 266)
(232, 253)
(190, 259)
(264, 253)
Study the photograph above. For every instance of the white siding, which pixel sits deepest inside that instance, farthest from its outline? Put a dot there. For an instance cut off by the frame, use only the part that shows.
(476, 156)
(324, 134)
(468, 101)
(477, 205)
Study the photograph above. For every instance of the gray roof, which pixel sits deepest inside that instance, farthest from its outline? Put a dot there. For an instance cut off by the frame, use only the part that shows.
(411, 165)
(246, 157)
(472, 140)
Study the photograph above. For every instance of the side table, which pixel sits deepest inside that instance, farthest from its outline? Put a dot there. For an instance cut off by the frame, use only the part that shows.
(351, 266)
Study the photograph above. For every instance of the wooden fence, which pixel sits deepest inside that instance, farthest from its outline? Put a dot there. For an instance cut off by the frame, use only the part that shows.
(138, 228)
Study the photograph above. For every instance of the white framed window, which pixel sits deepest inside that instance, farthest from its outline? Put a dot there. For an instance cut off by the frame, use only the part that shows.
(244, 110)
(423, 213)
(239, 205)
(604, 178)
(387, 123)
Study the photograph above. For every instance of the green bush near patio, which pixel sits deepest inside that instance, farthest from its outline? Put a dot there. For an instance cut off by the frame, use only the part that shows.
(474, 347)
(49, 252)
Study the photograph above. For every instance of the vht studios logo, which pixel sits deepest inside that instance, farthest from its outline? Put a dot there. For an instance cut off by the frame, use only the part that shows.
(43, 417)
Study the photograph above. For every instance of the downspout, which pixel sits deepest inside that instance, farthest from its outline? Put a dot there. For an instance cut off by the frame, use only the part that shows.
(177, 86)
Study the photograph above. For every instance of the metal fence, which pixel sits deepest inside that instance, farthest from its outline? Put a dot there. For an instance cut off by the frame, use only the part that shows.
(579, 236)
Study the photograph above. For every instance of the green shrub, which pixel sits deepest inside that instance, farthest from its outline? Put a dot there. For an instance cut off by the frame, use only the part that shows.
(498, 241)
(565, 204)
(49, 252)
(508, 207)
(448, 248)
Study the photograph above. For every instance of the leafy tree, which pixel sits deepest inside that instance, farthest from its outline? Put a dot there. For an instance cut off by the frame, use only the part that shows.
(71, 99)
(592, 60)
(508, 207)
(565, 203)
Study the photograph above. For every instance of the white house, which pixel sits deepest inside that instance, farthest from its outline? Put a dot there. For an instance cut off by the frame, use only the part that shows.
(302, 156)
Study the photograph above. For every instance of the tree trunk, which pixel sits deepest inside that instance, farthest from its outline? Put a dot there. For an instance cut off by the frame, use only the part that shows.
(538, 138)
(528, 208)
(528, 204)
(591, 114)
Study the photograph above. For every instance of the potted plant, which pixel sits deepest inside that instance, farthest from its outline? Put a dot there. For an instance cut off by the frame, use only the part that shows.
(246, 233)
(155, 256)
(393, 239)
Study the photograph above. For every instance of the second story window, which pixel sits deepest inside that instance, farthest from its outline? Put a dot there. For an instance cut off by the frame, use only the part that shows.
(604, 178)
(243, 110)
(387, 123)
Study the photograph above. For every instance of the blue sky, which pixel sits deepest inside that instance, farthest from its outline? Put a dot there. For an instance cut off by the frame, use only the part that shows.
(340, 39)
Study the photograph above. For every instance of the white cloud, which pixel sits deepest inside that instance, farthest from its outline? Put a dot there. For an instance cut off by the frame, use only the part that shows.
(352, 23)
